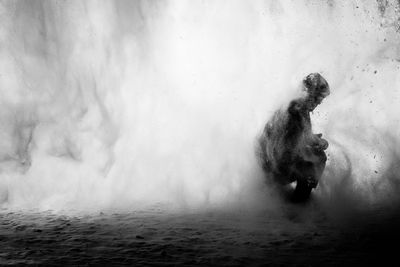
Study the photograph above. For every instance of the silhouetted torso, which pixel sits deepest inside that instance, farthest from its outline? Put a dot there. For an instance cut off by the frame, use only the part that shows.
(289, 146)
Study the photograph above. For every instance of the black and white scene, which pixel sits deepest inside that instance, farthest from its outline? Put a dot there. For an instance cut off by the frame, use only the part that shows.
(199, 133)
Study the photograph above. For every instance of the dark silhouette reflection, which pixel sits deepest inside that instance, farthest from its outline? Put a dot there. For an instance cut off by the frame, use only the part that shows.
(289, 151)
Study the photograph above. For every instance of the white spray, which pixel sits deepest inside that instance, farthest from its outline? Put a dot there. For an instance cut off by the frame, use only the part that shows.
(117, 104)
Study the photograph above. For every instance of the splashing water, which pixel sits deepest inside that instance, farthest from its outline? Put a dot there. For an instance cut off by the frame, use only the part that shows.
(126, 103)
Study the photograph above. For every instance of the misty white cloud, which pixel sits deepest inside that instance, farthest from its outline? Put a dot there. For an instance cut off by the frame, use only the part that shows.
(113, 104)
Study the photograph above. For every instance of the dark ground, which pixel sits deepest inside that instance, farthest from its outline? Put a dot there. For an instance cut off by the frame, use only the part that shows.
(300, 236)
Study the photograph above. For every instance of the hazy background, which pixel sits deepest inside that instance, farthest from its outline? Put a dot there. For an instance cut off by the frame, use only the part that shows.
(120, 104)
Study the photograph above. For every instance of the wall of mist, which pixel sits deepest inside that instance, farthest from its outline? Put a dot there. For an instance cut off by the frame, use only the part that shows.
(123, 103)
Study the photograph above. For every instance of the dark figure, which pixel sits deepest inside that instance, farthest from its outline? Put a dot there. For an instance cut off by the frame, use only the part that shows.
(289, 150)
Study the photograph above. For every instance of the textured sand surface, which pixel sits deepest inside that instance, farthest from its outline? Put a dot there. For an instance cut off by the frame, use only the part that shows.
(297, 237)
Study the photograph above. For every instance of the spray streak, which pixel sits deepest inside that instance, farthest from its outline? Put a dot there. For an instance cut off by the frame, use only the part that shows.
(128, 102)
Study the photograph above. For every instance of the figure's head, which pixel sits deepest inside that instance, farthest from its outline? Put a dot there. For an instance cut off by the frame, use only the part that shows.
(317, 89)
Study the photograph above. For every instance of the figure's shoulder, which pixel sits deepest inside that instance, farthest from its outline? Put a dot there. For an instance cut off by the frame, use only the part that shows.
(295, 106)
(277, 121)
(281, 117)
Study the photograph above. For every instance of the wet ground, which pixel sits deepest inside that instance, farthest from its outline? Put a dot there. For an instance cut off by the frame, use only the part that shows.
(237, 237)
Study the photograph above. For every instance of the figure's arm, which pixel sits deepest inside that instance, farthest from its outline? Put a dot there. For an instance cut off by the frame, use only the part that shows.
(295, 127)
